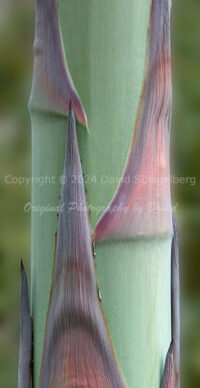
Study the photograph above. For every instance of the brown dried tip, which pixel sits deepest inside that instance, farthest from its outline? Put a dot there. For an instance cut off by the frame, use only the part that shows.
(167, 381)
(77, 348)
(25, 348)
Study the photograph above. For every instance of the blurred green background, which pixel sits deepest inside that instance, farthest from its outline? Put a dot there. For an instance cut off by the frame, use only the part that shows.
(16, 37)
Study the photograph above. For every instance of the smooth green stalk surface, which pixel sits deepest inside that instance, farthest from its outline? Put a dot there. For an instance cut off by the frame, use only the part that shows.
(134, 279)
(105, 44)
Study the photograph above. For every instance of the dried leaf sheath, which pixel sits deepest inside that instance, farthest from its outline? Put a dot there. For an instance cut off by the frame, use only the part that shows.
(167, 381)
(25, 348)
(52, 87)
(141, 205)
(77, 349)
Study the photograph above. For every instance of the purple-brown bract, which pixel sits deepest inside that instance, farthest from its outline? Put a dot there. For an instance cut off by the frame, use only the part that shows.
(167, 381)
(77, 348)
(52, 87)
(142, 207)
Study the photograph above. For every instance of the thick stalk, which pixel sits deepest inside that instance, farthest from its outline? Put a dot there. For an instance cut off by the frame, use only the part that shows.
(105, 43)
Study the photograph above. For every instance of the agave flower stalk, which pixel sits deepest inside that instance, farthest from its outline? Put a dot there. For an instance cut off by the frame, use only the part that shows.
(106, 45)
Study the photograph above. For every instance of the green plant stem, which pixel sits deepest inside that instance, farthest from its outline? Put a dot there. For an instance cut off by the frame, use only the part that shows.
(105, 43)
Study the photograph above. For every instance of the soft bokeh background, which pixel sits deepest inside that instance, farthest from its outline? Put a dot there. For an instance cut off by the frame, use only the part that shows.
(16, 36)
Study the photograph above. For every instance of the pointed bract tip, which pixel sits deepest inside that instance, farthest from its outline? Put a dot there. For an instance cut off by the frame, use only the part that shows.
(80, 116)
(79, 111)
(171, 349)
(22, 266)
(84, 121)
